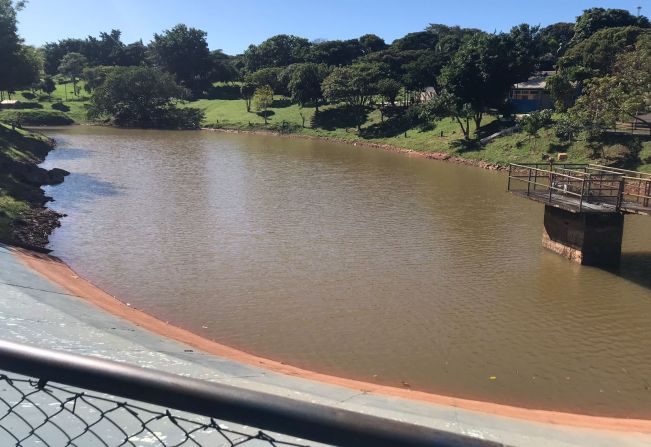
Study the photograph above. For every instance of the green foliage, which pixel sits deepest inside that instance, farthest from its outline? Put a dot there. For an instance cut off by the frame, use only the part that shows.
(72, 65)
(354, 85)
(595, 56)
(389, 89)
(277, 51)
(35, 117)
(47, 85)
(595, 19)
(562, 91)
(305, 83)
(263, 98)
(247, 91)
(141, 97)
(184, 52)
(266, 76)
(566, 129)
(535, 121)
(619, 96)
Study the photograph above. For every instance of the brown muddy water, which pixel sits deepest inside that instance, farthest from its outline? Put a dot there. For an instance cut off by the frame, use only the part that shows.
(358, 263)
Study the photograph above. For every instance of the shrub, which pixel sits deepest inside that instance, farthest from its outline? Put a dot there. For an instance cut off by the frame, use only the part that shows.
(566, 130)
(35, 117)
(535, 121)
(60, 106)
(28, 95)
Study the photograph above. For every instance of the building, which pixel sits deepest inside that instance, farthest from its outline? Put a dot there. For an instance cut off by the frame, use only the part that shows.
(531, 94)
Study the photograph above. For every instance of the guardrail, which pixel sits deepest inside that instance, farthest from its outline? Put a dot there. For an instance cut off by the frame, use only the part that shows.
(41, 409)
(582, 183)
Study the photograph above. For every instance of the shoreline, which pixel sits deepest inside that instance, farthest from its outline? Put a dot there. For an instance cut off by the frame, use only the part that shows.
(440, 156)
(56, 271)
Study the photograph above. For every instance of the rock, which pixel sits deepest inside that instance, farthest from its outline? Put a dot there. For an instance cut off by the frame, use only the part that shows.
(57, 176)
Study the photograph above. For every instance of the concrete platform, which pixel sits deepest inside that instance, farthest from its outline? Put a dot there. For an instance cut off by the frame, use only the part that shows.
(37, 312)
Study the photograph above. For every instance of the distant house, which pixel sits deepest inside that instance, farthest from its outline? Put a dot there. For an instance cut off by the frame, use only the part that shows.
(427, 94)
(531, 94)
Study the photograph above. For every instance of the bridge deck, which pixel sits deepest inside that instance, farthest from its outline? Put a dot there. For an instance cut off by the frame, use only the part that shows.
(583, 188)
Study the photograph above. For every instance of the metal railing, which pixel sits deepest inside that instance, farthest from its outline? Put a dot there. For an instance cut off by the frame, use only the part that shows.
(41, 408)
(573, 184)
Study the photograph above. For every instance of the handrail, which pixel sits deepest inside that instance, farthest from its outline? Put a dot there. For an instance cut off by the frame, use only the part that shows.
(306, 420)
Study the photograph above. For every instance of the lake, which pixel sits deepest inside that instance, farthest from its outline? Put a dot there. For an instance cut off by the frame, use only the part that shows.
(355, 262)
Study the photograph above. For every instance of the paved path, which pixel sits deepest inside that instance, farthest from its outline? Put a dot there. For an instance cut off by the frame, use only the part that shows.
(37, 312)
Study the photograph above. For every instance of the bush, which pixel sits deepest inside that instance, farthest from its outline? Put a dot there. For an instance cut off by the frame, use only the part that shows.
(535, 121)
(60, 106)
(28, 95)
(35, 117)
(618, 155)
(566, 129)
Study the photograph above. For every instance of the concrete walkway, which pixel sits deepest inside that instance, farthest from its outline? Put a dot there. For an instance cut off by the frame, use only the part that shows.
(37, 312)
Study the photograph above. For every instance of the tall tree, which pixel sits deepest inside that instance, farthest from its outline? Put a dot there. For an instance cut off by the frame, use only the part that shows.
(277, 51)
(143, 97)
(72, 66)
(184, 52)
(595, 19)
(480, 75)
(305, 83)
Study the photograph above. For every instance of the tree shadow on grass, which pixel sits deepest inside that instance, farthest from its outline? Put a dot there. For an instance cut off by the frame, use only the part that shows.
(281, 103)
(389, 128)
(462, 145)
(266, 114)
(558, 147)
(340, 118)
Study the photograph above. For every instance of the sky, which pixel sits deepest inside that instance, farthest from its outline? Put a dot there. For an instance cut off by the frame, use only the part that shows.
(233, 25)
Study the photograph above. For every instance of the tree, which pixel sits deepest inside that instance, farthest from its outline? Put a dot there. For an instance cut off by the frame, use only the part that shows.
(48, 86)
(389, 89)
(222, 68)
(94, 77)
(445, 105)
(354, 85)
(184, 52)
(596, 55)
(247, 91)
(305, 83)
(622, 95)
(535, 121)
(335, 52)
(263, 98)
(142, 97)
(562, 91)
(72, 66)
(480, 75)
(265, 76)
(277, 51)
(370, 43)
(595, 19)
(15, 59)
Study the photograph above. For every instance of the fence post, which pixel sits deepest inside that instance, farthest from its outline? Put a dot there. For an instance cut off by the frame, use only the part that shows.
(582, 191)
(529, 183)
(620, 196)
(551, 185)
(508, 186)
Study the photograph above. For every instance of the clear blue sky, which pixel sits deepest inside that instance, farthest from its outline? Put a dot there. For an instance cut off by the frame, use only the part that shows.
(233, 25)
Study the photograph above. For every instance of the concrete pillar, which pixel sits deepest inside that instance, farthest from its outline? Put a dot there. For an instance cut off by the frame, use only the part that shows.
(587, 238)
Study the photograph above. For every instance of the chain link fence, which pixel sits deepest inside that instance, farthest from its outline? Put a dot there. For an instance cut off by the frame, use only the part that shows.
(38, 413)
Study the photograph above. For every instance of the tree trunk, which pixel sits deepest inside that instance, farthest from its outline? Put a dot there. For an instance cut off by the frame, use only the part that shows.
(478, 117)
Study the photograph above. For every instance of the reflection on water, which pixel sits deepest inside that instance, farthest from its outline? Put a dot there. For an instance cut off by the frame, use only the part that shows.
(358, 263)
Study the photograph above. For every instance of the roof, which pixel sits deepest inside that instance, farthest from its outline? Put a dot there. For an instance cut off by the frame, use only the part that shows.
(9, 101)
(537, 81)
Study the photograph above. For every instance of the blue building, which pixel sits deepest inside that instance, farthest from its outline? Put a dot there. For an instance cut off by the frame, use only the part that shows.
(531, 94)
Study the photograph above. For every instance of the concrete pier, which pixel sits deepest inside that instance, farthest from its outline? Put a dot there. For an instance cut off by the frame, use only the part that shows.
(587, 238)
